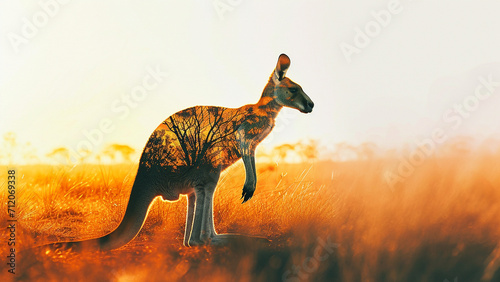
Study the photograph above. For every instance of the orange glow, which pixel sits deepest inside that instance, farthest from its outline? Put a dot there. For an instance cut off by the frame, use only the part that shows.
(439, 223)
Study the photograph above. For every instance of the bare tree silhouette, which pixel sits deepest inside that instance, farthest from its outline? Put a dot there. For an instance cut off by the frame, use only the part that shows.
(308, 151)
(282, 151)
(60, 154)
(113, 151)
(200, 136)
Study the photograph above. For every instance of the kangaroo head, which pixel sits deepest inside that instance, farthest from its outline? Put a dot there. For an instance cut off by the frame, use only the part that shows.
(286, 92)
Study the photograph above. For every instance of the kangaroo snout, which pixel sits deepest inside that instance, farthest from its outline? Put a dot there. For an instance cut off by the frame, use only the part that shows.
(308, 105)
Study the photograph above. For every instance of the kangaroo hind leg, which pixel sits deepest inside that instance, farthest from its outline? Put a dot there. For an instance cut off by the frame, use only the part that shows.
(202, 229)
(195, 238)
(189, 218)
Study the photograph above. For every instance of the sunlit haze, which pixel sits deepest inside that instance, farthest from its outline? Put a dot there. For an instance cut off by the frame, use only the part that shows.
(389, 72)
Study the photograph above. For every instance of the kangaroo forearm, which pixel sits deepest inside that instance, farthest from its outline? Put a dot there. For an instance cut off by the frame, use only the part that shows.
(249, 162)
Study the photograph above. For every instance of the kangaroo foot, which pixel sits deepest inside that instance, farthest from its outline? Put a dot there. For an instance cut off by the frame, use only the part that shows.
(204, 239)
(228, 239)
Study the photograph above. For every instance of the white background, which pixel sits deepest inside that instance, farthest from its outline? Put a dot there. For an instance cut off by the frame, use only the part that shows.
(89, 54)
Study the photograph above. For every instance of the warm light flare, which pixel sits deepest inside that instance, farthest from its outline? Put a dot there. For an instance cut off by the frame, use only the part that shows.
(447, 208)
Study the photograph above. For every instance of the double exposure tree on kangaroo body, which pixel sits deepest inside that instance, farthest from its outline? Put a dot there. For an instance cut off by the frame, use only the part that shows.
(186, 154)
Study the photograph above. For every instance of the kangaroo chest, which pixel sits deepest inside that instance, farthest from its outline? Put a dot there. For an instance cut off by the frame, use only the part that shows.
(255, 128)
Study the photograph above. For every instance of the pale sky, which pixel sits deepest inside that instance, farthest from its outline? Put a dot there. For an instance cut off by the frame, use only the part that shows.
(414, 66)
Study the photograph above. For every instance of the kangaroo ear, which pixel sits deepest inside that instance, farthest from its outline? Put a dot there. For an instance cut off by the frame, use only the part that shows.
(282, 66)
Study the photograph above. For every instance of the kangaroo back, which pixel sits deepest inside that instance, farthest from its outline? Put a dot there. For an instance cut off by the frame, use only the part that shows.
(193, 138)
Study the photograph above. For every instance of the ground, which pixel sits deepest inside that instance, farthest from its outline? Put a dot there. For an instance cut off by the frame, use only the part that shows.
(327, 221)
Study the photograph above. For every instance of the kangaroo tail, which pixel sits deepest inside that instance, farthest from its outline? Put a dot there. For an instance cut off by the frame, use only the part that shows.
(140, 199)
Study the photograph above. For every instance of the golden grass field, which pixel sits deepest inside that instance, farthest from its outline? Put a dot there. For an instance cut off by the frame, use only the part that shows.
(442, 223)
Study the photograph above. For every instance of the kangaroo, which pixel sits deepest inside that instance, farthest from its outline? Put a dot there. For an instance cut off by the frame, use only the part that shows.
(186, 154)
